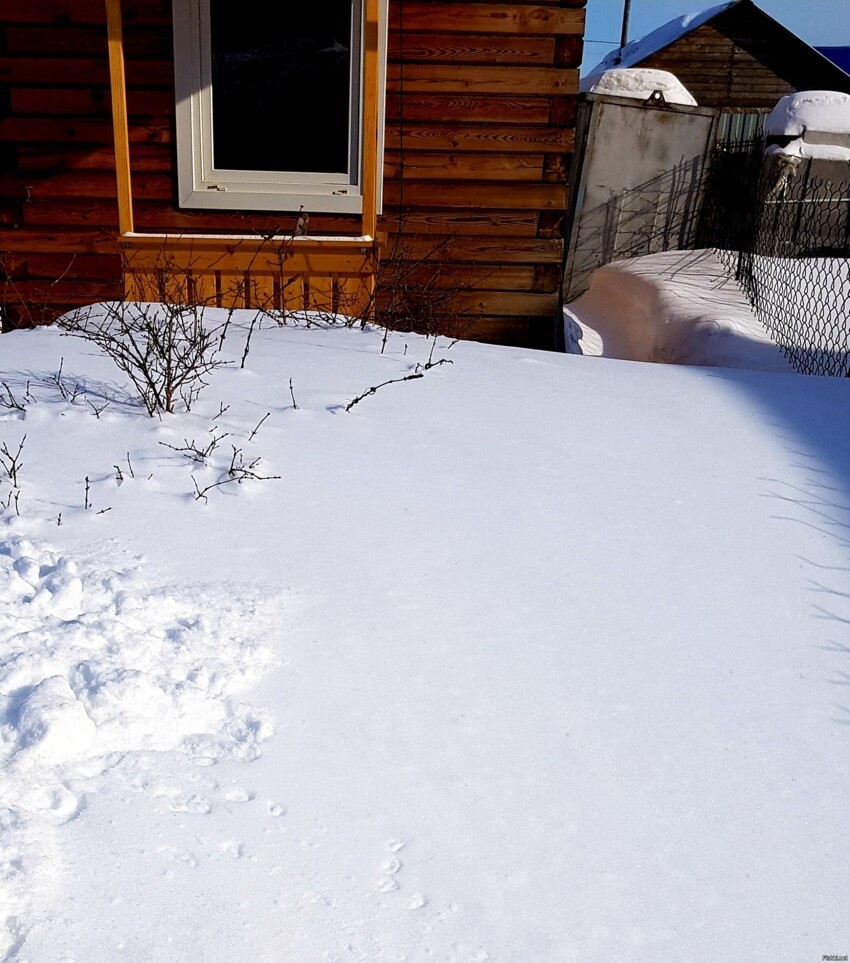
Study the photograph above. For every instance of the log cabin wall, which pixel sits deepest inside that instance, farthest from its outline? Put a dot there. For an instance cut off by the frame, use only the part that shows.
(481, 108)
(480, 112)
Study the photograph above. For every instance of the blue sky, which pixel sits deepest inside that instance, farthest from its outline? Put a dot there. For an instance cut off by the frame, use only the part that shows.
(818, 22)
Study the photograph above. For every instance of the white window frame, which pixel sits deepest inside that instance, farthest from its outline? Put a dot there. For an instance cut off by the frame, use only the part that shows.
(200, 185)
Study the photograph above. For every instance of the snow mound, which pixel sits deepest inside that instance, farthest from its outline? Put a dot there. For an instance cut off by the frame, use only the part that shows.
(678, 307)
(662, 36)
(826, 111)
(641, 83)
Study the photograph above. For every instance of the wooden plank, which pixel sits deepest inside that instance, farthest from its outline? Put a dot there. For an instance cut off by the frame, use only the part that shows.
(441, 275)
(321, 293)
(484, 250)
(466, 108)
(25, 71)
(507, 331)
(480, 137)
(144, 157)
(75, 292)
(513, 197)
(78, 184)
(238, 261)
(83, 11)
(470, 48)
(203, 289)
(463, 167)
(501, 223)
(95, 266)
(260, 291)
(161, 216)
(80, 102)
(511, 81)
(38, 130)
(486, 18)
(145, 42)
(499, 303)
(96, 241)
(352, 296)
(292, 293)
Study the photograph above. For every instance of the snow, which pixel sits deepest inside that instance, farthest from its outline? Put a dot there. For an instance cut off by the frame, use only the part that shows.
(825, 111)
(538, 657)
(641, 83)
(638, 50)
(677, 307)
(799, 149)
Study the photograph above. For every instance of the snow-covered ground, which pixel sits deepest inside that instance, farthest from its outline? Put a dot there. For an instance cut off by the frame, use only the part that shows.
(676, 307)
(536, 658)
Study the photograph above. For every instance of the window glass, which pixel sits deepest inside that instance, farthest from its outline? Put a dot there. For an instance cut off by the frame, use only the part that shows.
(282, 85)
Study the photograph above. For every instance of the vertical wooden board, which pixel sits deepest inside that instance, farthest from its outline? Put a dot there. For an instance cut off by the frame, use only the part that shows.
(260, 292)
(292, 293)
(231, 289)
(204, 290)
(321, 293)
(140, 286)
(352, 295)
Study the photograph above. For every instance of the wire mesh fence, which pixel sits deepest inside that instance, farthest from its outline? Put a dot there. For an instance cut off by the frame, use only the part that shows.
(785, 233)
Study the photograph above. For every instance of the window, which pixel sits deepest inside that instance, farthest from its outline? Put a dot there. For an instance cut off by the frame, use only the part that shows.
(269, 104)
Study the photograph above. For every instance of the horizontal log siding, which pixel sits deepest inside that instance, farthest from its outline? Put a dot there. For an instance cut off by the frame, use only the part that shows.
(480, 108)
(480, 122)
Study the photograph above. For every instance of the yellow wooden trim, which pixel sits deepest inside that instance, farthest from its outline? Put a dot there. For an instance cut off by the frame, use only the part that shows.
(371, 117)
(121, 135)
(202, 253)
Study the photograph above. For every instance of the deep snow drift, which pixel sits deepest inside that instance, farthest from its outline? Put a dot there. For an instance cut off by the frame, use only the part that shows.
(676, 307)
(535, 658)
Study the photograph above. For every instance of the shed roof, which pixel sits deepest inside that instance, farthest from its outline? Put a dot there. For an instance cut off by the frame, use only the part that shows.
(810, 67)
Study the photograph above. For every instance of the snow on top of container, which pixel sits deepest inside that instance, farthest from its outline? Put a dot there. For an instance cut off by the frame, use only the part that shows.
(641, 82)
(827, 111)
(800, 149)
(662, 36)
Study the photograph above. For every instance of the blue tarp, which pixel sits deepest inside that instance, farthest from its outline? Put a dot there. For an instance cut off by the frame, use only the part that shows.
(838, 55)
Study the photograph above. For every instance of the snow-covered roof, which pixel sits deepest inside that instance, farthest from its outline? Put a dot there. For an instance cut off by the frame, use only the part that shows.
(662, 36)
(827, 111)
(641, 83)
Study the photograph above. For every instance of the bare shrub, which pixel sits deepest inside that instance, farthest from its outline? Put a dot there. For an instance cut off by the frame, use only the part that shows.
(164, 349)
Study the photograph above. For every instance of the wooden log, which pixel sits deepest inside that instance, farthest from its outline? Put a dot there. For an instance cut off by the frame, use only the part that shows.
(481, 137)
(82, 102)
(144, 157)
(94, 266)
(55, 72)
(466, 108)
(478, 168)
(511, 81)
(501, 223)
(500, 18)
(75, 184)
(62, 12)
(505, 303)
(518, 197)
(470, 48)
(143, 42)
(486, 250)
(39, 130)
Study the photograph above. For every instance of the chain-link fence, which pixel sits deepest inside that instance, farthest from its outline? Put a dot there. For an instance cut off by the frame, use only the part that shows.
(786, 234)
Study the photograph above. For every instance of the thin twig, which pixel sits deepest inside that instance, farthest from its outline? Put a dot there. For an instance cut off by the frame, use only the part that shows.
(259, 425)
(418, 372)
